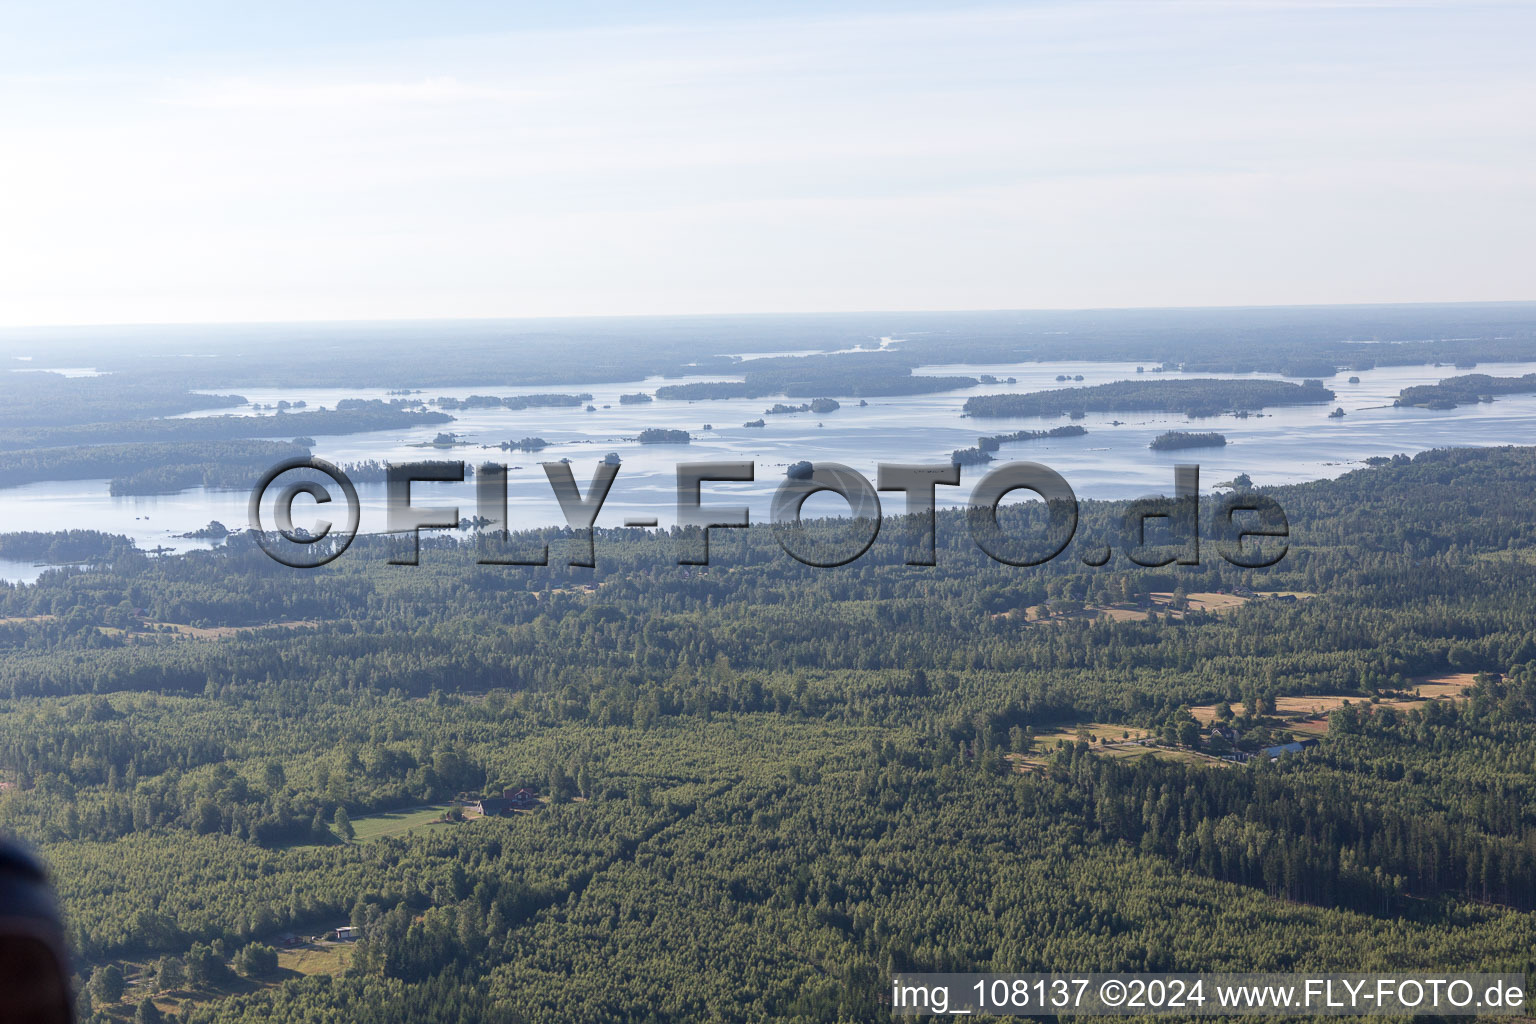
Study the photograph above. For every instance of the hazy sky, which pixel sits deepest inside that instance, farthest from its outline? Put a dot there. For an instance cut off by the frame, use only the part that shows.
(206, 161)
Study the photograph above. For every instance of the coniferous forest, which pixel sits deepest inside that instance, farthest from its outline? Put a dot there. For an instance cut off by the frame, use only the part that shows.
(761, 787)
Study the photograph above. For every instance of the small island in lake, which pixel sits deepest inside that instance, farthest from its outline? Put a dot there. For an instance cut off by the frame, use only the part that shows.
(660, 435)
(1176, 439)
(820, 405)
(985, 446)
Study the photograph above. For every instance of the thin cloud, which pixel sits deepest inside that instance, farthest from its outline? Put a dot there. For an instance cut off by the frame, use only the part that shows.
(248, 94)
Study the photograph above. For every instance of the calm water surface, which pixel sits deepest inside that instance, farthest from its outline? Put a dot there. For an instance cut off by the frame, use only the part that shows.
(1282, 446)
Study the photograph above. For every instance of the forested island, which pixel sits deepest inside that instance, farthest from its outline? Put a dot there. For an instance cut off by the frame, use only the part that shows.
(1191, 397)
(820, 405)
(993, 442)
(660, 435)
(1176, 439)
(1465, 390)
(526, 444)
(65, 546)
(985, 446)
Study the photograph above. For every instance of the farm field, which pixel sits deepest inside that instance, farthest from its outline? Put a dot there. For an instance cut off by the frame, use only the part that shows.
(1318, 706)
(398, 823)
(324, 958)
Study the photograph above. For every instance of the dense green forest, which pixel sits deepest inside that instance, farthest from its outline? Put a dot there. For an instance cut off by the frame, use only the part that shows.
(765, 786)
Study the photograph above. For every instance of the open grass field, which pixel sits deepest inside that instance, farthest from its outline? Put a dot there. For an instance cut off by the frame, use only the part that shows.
(1198, 602)
(1304, 716)
(1453, 686)
(1119, 750)
(328, 958)
(1203, 602)
(1134, 751)
(1288, 707)
(222, 632)
(398, 823)
(1096, 730)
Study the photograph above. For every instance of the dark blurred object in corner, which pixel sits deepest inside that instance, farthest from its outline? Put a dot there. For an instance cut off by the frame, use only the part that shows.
(34, 971)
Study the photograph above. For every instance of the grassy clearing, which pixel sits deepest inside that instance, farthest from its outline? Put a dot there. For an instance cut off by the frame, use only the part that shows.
(1097, 731)
(1120, 751)
(221, 632)
(1319, 705)
(1454, 685)
(1205, 602)
(398, 823)
(329, 959)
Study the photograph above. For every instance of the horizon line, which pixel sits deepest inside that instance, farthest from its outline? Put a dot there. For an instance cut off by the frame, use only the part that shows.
(83, 325)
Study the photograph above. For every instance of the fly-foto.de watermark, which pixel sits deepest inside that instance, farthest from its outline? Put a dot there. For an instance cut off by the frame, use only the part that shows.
(1238, 518)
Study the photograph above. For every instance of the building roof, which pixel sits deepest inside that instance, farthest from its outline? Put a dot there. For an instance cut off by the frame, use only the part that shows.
(1294, 747)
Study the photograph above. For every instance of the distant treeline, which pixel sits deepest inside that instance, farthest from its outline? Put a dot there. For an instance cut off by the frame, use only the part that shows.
(849, 374)
(151, 468)
(1193, 397)
(51, 399)
(514, 402)
(1176, 439)
(1474, 387)
(1298, 341)
(852, 384)
(350, 416)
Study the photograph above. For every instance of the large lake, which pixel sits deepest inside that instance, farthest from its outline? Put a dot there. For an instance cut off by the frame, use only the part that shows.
(1283, 446)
